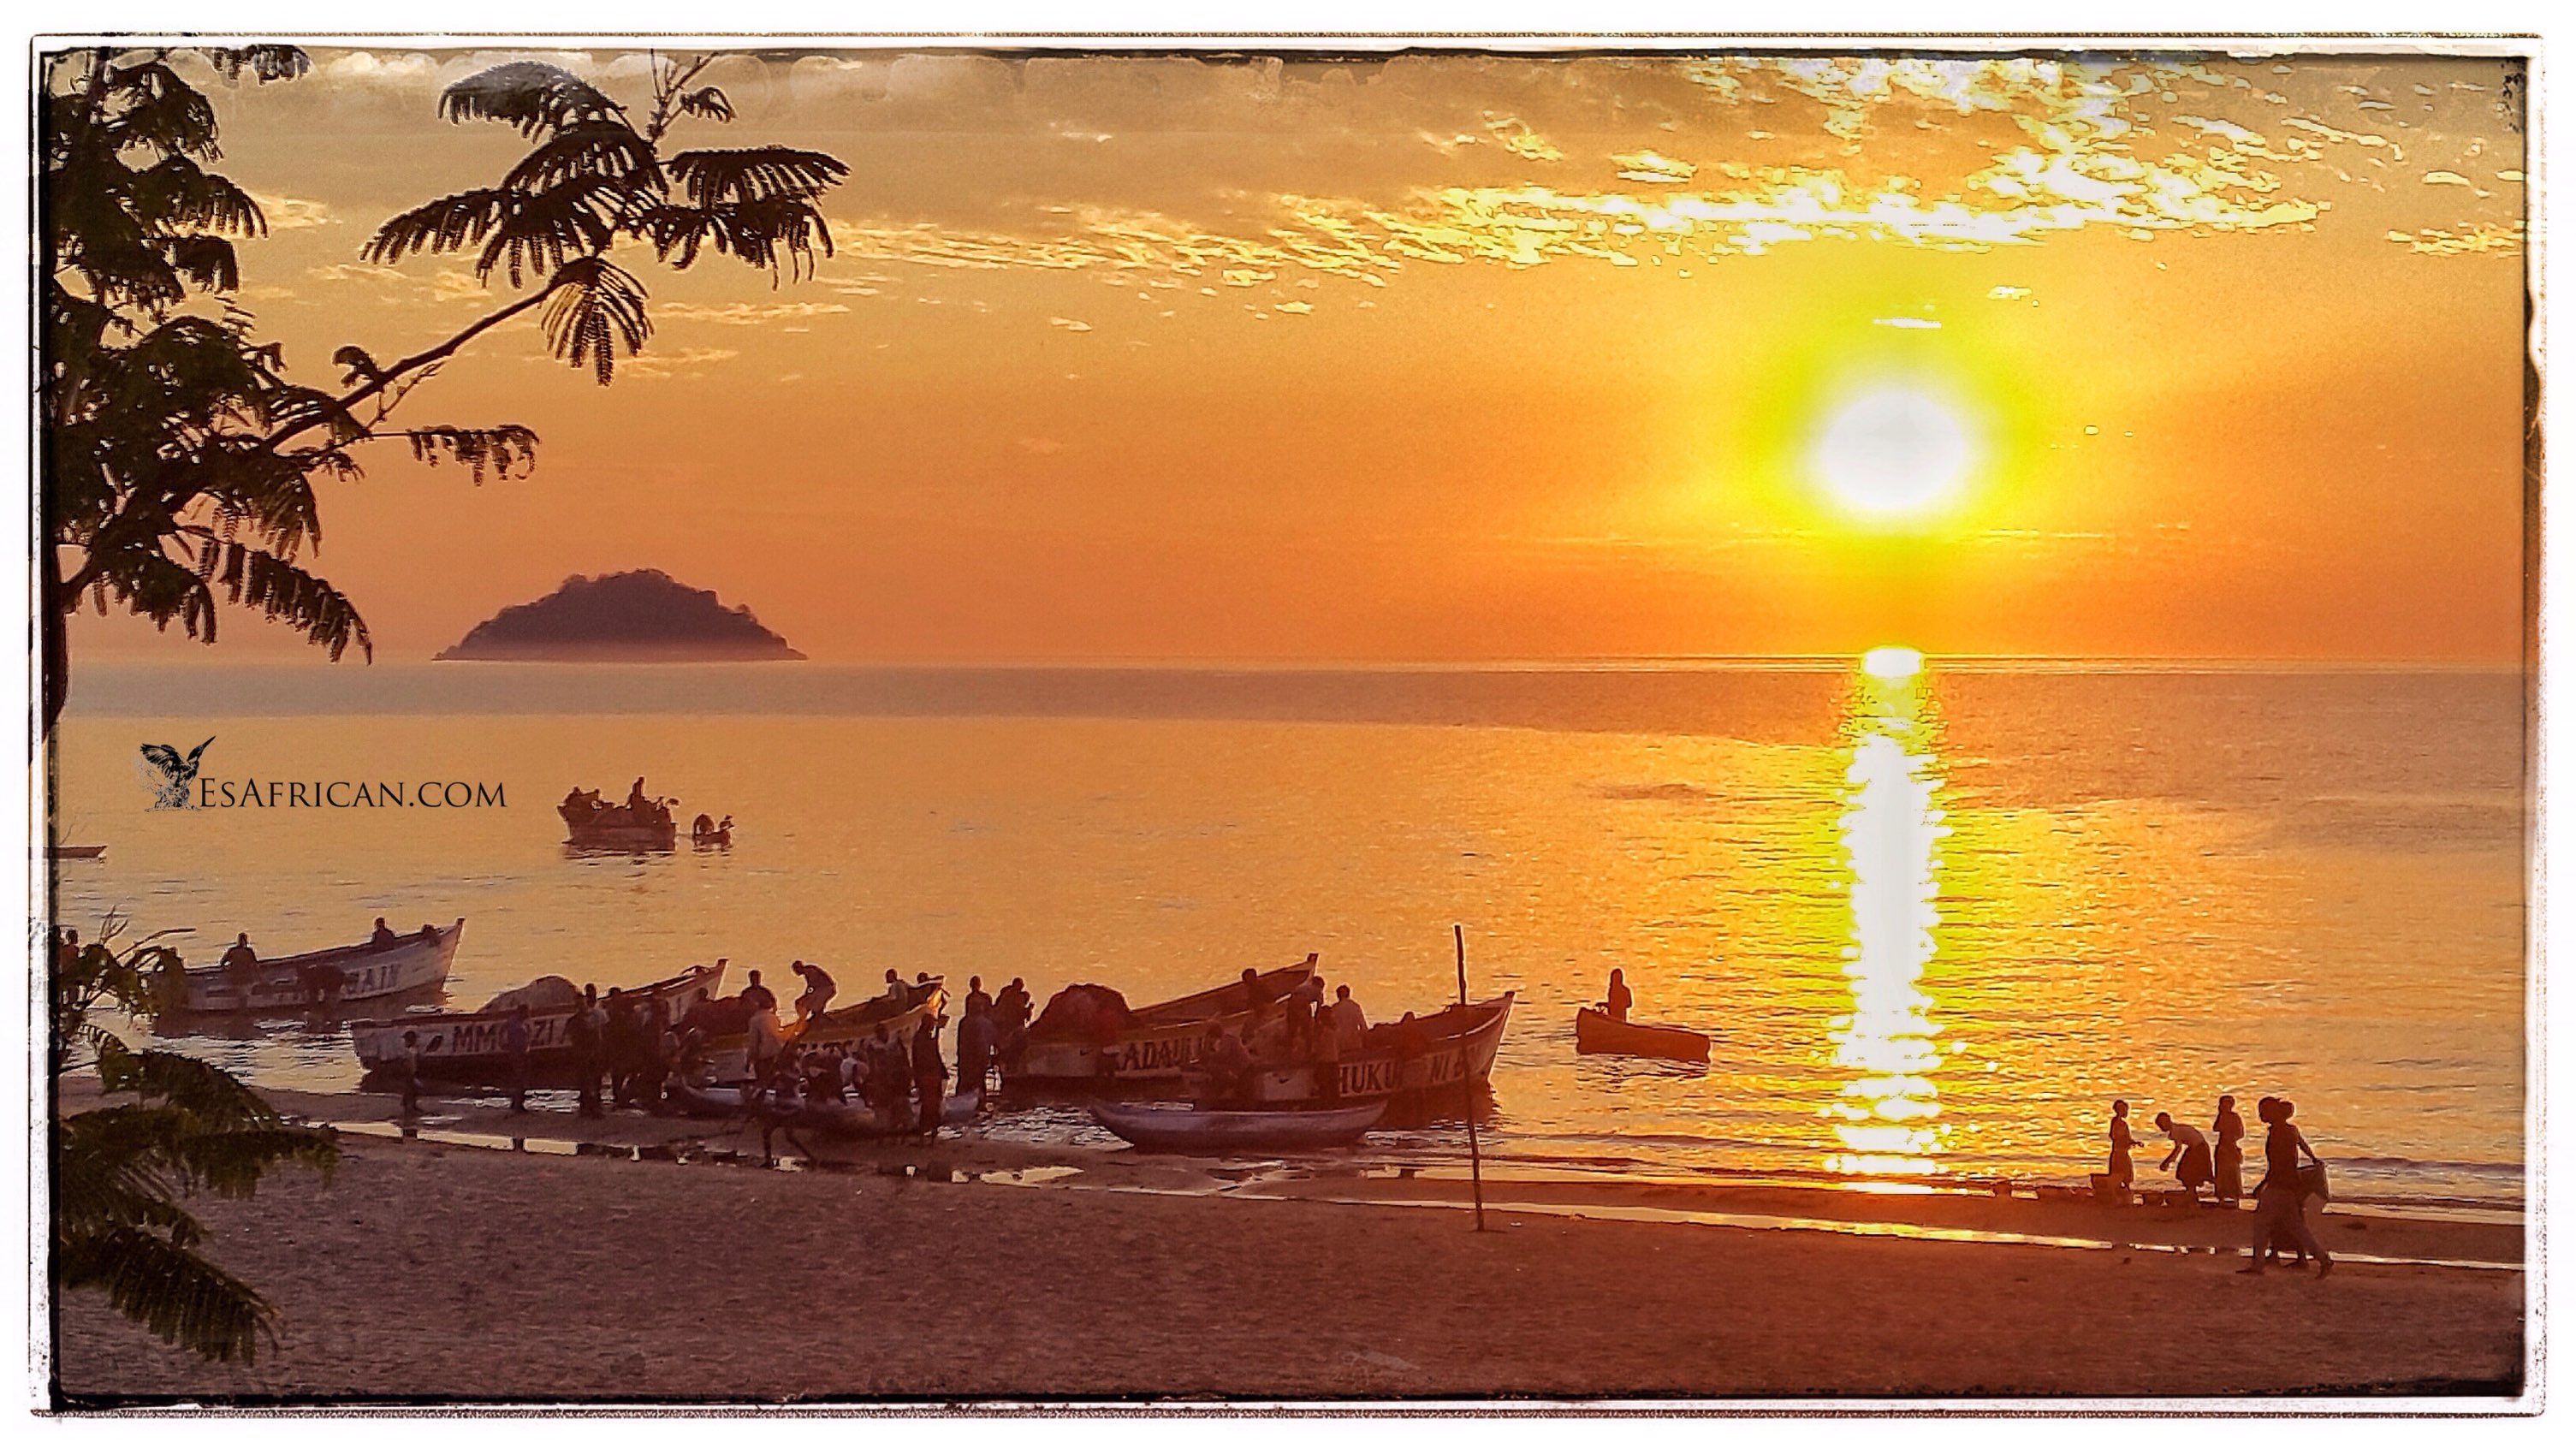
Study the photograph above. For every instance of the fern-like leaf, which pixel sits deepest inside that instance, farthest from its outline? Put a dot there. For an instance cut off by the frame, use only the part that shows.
(534, 97)
(758, 173)
(592, 305)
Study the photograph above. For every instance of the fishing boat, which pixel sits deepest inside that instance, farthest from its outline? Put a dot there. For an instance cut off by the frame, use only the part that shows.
(1165, 1128)
(465, 1046)
(592, 824)
(414, 963)
(1598, 1033)
(1148, 1044)
(709, 834)
(1451, 1049)
(728, 1056)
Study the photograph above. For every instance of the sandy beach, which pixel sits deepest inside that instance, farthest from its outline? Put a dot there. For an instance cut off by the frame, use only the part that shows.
(432, 1270)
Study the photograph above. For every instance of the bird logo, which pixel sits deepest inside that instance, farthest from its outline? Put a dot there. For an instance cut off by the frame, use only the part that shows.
(170, 792)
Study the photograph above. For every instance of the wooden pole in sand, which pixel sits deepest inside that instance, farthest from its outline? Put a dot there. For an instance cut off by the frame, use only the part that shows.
(1467, 1076)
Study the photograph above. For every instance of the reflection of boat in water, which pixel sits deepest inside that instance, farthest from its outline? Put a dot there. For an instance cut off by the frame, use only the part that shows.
(286, 985)
(1091, 1038)
(1449, 1050)
(1601, 1034)
(830, 1119)
(465, 1046)
(709, 834)
(1189, 1129)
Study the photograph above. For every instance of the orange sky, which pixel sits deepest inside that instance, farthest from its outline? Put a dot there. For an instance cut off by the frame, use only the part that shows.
(1161, 358)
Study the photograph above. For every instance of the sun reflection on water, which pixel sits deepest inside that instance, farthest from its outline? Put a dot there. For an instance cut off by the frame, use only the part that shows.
(1887, 1115)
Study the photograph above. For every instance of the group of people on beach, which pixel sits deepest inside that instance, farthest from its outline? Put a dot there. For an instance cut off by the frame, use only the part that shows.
(2280, 1198)
(902, 1078)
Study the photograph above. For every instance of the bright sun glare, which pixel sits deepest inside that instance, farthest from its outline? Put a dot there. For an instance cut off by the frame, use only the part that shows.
(1892, 453)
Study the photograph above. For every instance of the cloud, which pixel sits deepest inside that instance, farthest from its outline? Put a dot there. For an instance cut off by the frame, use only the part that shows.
(1068, 324)
(660, 363)
(293, 213)
(744, 314)
(1919, 323)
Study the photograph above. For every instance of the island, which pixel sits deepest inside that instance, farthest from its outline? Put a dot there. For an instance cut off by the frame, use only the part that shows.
(640, 616)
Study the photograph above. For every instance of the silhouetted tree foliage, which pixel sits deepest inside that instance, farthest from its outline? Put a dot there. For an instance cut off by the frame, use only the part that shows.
(180, 459)
(173, 1127)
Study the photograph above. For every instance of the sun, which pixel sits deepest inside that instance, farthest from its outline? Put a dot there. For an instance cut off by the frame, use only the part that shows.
(1892, 453)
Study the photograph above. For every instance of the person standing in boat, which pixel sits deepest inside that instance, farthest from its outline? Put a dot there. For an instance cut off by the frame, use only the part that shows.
(384, 936)
(638, 804)
(2188, 1145)
(1324, 1045)
(1349, 1022)
(928, 1074)
(1305, 1009)
(240, 964)
(756, 996)
(2228, 1159)
(1617, 1000)
(2122, 1140)
(819, 987)
(2280, 1198)
(895, 991)
(517, 1036)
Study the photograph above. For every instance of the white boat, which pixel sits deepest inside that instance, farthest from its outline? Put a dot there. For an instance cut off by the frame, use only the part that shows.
(1451, 1049)
(284, 984)
(1190, 1129)
(465, 1046)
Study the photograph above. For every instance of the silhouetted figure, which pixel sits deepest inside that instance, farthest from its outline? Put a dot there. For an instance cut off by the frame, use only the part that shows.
(1229, 1067)
(2122, 1140)
(819, 987)
(1617, 999)
(928, 1074)
(411, 1074)
(1305, 1008)
(2188, 1145)
(2280, 1199)
(637, 802)
(1325, 1045)
(756, 997)
(2228, 1158)
(384, 936)
(587, 1033)
(620, 1045)
(895, 991)
(517, 1036)
(977, 1037)
(976, 999)
(1349, 1022)
(240, 964)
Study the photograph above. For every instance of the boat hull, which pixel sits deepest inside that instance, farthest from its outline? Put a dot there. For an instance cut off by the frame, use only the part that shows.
(465, 1046)
(1597, 1033)
(1160, 1043)
(1177, 1129)
(295, 984)
(729, 1057)
(1460, 1053)
(622, 837)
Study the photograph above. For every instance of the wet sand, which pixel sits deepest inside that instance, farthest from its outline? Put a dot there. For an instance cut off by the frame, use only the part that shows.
(425, 1270)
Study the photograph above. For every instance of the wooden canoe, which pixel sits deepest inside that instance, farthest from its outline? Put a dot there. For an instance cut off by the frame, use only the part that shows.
(1457, 1048)
(295, 984)
(1598, 1033)
(729, 1057)
(465, 1046)
(1158, 1042)
(1187, 1129)
(78, 852)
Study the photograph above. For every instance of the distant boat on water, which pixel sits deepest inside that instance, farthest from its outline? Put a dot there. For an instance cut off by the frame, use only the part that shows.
(1598, 1033)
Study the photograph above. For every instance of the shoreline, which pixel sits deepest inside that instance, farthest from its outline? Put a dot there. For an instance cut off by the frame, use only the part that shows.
(583, 1268)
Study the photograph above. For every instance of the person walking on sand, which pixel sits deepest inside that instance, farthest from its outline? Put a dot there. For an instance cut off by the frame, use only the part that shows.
(2279, 1199)
(517, 1035)
(2227, 1160)
(819, 988)
(928, 1072)
(2122, 1140)
(1617, 1000)
(2188, 1145)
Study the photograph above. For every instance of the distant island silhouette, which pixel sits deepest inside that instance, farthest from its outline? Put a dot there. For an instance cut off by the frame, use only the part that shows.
(641, 616)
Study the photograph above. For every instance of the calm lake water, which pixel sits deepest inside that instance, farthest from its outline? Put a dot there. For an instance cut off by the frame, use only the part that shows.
(1934, 923)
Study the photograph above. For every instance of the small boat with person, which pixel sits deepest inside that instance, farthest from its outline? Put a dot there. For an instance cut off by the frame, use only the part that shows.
(1088, 1036)
(1162, 1127)
(383, 965)
(707, 834)
(643, 823)
(465, 1046)
(1598, 1033)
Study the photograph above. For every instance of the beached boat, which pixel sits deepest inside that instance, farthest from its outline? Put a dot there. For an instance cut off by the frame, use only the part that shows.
(465, 1046)
(728, 1057)
(1451, 1049)
(1189, 1129)
(284, 984)
(1148, 1044)
(1599, 1033)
